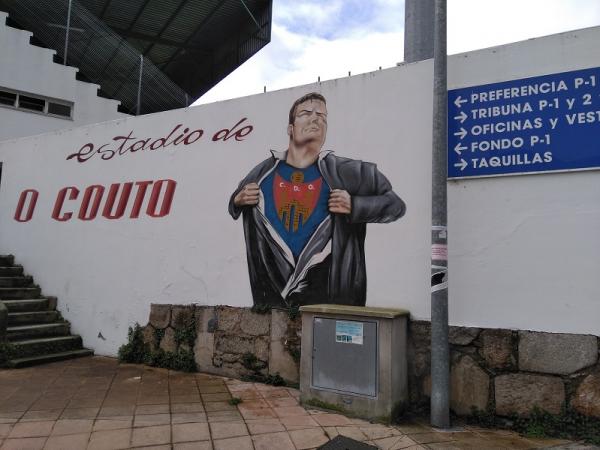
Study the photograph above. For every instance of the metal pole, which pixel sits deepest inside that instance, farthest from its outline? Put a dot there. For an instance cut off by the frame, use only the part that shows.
(418, 30)
(139, 93)
(67, 32)
(440, 360)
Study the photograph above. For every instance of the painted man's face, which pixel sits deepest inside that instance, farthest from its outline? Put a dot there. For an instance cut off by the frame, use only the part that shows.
(310, 123)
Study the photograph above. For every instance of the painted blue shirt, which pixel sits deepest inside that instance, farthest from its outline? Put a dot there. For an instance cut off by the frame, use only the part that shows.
(295, 203)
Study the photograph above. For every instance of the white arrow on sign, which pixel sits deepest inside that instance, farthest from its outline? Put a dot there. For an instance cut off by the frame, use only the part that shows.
(462, 117)
(459, 148)
(462, 164)
(462, 133)
(459, 101)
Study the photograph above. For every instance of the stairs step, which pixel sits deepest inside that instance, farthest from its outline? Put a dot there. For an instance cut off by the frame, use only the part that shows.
(50, 357)
(26, 305)
(16, 281)
(19, 293)
(21, 332)
(23, 318)
(12, 271)
(7, 260)
(46, 346)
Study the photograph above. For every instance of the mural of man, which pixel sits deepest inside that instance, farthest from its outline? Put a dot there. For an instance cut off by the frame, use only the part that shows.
(305, 212)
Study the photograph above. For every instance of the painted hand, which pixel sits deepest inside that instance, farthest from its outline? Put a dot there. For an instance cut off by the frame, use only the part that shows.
(248, 196)
(340, 202)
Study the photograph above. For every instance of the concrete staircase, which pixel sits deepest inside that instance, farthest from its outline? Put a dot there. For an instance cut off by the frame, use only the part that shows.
(36, 330)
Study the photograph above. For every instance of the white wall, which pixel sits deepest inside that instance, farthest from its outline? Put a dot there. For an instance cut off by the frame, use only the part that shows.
(522, 248)
(107, 272)
(30, 69)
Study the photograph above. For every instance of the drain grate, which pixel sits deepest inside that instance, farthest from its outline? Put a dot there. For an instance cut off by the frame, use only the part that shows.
(345, 443)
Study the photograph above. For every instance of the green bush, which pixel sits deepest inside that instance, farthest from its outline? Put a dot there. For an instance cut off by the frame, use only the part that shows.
(138, 352)
(135, 351)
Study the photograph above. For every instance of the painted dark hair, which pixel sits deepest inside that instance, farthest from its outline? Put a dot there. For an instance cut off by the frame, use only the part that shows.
(304, 98)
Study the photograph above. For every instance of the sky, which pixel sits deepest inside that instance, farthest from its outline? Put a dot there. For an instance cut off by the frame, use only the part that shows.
(329, 38)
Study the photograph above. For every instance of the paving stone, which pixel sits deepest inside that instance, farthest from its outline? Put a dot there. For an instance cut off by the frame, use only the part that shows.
(31, 429)
(378, 431)
(299, 422)
(37, 416)
(394, 442)
(156, 435)
(286, 411)
(111, 411)
(308, 438)
(152, 409)
(261, 426)
(24, 444)
(224, 416)
(519, 393)
(222, 430)
(186, 432)
(112, 423)
(160, 315)
(352, 432)
(191, 417)
(587, 396)
(5, 430)
(276, 393)
(187, 408)
(218, 406)
(469, 387)
(497, 348)
(110, 439)
(79, 413)
(271, 441)
(331, 420)
(237, 443)
(146, 420)
(281, 401)
(198, 445)
(72, 426)
(556, 353)
(70, 441)
(216, 397)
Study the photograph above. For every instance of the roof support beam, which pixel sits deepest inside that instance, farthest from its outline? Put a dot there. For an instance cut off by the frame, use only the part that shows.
(158, 40)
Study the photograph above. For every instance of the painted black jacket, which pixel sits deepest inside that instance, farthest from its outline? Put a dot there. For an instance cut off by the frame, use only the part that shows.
(331, 267)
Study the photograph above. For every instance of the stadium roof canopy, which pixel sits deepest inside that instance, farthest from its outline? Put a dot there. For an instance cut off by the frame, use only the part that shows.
(187, 46)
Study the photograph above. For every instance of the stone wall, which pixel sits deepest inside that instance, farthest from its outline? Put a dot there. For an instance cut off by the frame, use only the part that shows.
(493, 370)
(505, 372)
(227, 338)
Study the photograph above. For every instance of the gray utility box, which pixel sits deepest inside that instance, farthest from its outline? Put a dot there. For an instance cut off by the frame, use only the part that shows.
(354, 357)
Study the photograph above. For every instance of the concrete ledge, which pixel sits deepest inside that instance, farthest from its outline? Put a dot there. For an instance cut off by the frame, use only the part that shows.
(363, 311)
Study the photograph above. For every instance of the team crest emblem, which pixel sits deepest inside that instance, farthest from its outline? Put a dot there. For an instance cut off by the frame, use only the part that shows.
(295, 200)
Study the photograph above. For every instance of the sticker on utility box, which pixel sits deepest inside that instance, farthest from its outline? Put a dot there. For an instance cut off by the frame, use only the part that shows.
(348, 332)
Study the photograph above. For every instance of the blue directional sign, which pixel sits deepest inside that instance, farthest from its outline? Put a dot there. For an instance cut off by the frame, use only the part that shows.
(532, 125)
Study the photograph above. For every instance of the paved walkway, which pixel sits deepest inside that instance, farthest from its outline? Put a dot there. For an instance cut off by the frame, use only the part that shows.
(95, 403)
